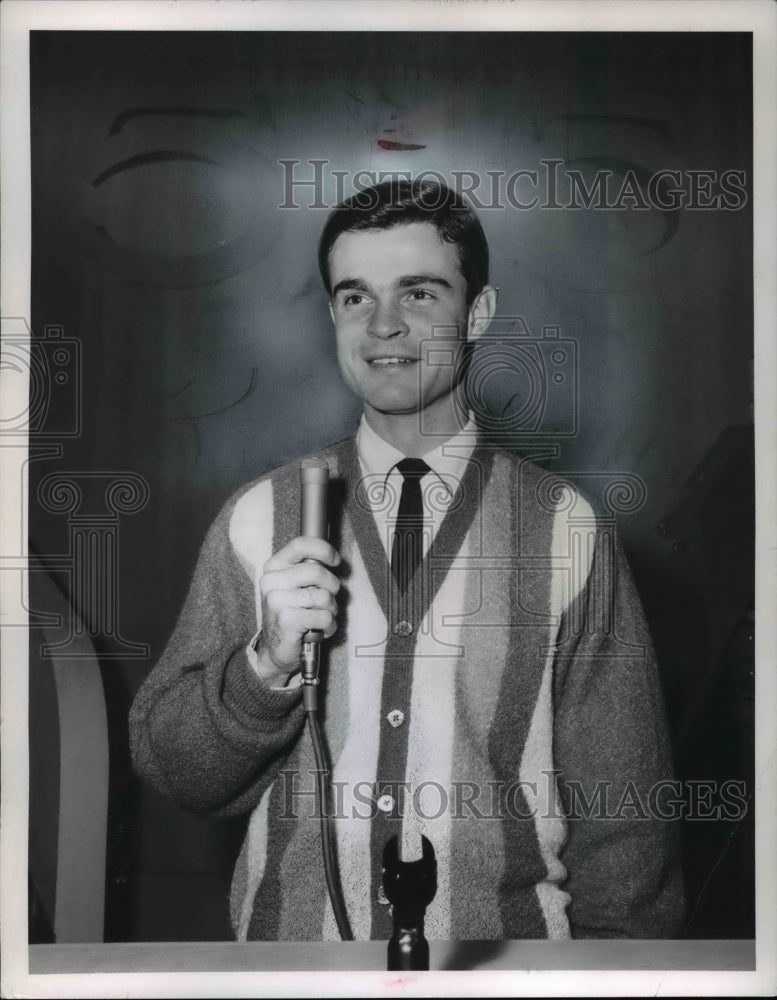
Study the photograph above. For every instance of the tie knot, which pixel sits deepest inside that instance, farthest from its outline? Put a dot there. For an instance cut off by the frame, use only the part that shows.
(413, 468)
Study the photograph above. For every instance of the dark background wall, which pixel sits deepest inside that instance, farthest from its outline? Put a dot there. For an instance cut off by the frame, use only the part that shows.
(206, 354)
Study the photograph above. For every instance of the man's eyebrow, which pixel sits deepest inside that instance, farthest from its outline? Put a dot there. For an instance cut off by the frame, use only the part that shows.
(350, 284)
(410, 280)
(406, 281)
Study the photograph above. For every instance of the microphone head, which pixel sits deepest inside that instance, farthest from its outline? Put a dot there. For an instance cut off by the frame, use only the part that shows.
(314, 471)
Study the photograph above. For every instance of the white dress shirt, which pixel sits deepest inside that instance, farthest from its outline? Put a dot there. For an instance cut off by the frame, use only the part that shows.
(382, 480)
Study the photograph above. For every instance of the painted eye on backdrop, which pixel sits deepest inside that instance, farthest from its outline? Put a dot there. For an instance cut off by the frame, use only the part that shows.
(180, 199)
(616, 193)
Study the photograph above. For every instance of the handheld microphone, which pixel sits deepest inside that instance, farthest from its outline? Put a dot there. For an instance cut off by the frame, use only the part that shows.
(314, 478)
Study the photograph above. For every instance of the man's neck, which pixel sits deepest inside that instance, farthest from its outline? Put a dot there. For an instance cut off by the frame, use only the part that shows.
(414, 434)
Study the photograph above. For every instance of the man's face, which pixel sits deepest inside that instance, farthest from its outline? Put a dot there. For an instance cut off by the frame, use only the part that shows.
(390, 290)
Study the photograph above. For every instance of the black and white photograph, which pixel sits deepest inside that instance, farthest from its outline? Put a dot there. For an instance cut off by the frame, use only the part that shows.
(388, 548)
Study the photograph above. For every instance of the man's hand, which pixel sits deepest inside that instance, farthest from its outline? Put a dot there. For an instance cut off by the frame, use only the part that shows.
(297, 596)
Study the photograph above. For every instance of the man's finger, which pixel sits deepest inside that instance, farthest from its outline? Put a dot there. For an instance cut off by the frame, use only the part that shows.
(302, 548)
(301, 597)
(299, 575)
(297, 621)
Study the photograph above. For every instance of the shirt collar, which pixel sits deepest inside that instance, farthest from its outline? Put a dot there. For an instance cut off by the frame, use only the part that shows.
(448, 460)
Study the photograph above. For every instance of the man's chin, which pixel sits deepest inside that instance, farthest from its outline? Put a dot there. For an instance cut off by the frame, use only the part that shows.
(393, 409)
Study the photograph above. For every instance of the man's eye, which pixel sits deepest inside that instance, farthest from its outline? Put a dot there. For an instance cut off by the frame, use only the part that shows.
(354, 299)
(419, 294)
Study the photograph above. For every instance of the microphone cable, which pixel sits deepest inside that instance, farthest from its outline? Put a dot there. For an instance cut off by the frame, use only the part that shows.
(314, 482)
(310, 654)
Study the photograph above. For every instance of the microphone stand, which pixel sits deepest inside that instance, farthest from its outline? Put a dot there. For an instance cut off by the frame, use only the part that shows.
(410, 886)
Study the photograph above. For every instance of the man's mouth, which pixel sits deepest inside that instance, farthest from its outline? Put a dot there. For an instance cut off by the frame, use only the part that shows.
(388, 362)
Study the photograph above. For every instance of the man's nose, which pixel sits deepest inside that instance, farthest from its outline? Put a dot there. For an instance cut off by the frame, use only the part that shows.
(387, 321)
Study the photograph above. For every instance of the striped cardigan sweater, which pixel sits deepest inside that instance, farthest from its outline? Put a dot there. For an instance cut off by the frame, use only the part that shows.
(510, 687)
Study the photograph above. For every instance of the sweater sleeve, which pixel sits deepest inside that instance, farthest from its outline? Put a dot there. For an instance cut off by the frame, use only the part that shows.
(614, 759)
(204, 727)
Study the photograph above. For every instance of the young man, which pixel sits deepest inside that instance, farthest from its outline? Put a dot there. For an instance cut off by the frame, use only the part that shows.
(488, 678)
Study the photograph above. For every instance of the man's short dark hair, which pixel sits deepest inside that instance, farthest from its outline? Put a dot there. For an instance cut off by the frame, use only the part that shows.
(398, 203)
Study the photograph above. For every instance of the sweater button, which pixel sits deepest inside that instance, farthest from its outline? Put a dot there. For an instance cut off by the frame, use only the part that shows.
(386, 803)
(396, 717)
(403, 628)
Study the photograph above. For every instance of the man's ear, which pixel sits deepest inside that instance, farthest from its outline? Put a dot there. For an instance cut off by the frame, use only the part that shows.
(481, 313)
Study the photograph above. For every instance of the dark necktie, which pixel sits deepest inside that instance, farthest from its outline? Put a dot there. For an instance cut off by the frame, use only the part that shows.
(406, 549)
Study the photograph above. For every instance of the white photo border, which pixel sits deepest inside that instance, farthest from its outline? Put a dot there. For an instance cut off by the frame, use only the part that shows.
(19, 17)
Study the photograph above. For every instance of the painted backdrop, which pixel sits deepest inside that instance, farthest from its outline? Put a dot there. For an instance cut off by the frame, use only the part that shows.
(180, 181)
